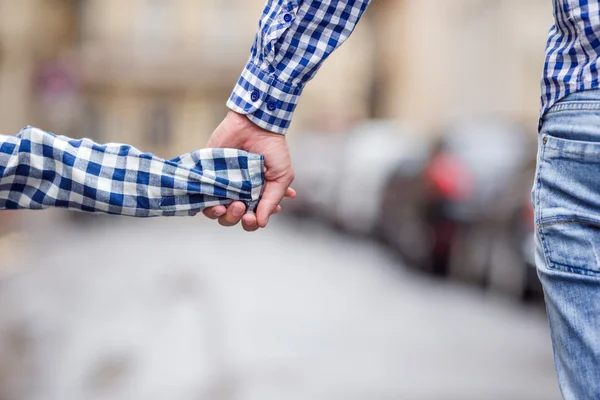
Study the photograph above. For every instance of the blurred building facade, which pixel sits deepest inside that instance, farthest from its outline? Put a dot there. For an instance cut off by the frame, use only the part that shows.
(156, 73)
(438, 60)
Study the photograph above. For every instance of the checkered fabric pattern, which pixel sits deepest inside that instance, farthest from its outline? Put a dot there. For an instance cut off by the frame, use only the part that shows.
(572, 52)
(40, 170)
(294, 38)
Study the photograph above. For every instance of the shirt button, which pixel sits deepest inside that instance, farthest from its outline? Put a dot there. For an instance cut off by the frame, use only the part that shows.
(254, 95)
(271, 106)
(287, 17)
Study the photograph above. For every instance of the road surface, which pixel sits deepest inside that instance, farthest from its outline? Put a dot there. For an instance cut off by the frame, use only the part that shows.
(181, 309)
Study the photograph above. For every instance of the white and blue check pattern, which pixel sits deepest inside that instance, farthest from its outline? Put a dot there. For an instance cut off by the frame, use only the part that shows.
(40, 170)
(294, 38)
(572, 52)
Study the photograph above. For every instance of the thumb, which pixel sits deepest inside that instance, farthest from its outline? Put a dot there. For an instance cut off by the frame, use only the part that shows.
(272, 196)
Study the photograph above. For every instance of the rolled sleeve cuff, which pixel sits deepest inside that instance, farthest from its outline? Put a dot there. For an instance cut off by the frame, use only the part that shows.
(267, 102)
(213, 177)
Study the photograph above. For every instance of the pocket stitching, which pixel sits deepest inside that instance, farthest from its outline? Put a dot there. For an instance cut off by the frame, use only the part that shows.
(557, 265)
(539, 218)
(560, 266)
(567, 220)
(573, 152)
(574, 270)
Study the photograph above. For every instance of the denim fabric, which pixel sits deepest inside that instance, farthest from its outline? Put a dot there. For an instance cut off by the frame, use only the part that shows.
(566, 198)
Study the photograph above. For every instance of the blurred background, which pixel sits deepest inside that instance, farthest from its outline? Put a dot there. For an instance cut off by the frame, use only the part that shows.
(413, 279)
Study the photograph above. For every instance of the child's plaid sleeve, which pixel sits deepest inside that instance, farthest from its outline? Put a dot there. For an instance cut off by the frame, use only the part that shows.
(39, 170)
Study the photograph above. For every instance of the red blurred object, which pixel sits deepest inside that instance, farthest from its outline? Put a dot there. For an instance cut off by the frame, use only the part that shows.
(528, 215)
(449, 177)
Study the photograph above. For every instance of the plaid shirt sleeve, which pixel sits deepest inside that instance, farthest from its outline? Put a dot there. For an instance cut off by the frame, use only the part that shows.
(294, 38)
(40, 170)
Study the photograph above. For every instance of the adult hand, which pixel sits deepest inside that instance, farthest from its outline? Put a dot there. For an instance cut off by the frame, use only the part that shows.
(238, 132)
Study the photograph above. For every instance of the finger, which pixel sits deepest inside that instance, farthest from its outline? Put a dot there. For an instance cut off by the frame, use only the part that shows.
(234, 214)
(249, 222)
(291, 193)
(214, 212)
(272, 196)
(277, 210)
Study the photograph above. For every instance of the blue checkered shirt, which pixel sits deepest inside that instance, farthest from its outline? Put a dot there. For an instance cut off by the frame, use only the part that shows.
(40, 170)
(294, 38)
(573, 50)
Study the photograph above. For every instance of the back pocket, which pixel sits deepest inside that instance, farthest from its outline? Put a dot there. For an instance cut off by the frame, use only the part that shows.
(567, 204)
(572, 246)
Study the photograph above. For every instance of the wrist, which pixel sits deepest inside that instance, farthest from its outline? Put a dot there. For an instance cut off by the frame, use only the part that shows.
(267, 101)
(241, 123)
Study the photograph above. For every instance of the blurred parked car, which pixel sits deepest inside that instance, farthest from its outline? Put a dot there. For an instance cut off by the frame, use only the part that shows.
(317, 159)
(340, 178)
(370, 156)
(413, 218)
(434, 217)
(509, 227)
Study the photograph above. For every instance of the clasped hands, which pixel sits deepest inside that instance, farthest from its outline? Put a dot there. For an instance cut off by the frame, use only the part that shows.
(238, 132)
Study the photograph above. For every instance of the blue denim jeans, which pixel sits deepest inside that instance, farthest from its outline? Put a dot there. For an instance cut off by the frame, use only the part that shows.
(566, 198)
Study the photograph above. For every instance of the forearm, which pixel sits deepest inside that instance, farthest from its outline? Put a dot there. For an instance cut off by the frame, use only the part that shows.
(293, 40)
(40, 170)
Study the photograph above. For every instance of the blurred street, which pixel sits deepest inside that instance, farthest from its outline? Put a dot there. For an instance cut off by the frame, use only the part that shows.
(183, 309)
